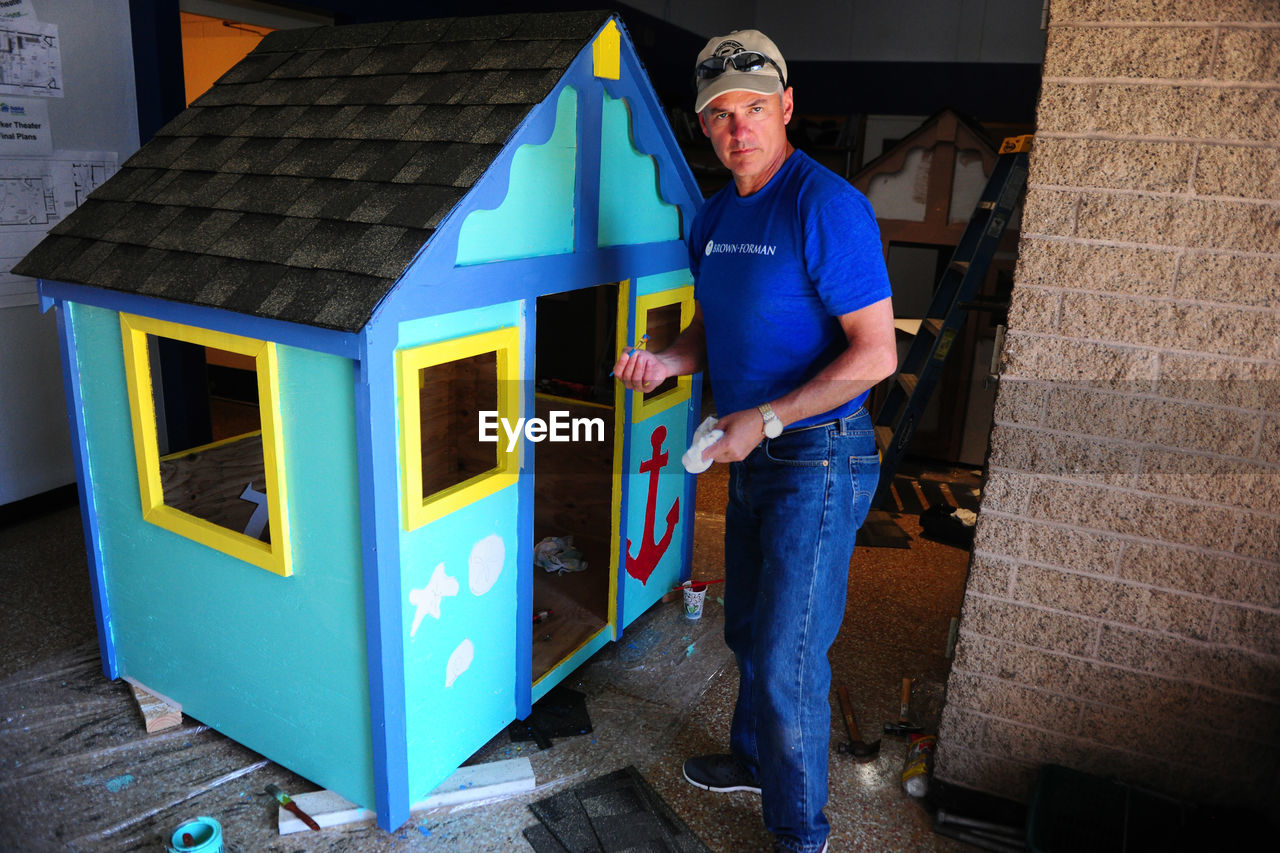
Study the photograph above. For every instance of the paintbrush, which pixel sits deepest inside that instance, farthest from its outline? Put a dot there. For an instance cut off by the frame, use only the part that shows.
(696, 584)
(289, 804)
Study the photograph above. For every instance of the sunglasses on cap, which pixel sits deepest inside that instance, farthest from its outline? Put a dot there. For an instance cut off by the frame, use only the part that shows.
(743, 60)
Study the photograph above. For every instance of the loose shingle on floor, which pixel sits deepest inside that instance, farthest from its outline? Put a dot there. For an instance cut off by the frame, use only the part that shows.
(305, 181)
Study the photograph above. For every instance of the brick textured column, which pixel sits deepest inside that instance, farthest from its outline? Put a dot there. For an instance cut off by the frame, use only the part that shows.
(1122, 614)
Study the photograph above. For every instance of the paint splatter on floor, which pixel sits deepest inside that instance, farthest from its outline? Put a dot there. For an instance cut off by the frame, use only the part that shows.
(119, 783)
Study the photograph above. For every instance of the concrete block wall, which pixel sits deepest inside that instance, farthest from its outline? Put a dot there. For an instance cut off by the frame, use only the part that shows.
(1122, 614)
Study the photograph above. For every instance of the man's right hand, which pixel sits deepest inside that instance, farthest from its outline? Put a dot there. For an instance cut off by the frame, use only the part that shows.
(641, 370)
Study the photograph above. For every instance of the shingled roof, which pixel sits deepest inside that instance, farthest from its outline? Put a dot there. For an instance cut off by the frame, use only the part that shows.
(303, 184)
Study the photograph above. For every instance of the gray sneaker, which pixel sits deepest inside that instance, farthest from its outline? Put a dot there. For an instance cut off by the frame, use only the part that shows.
(719, 773)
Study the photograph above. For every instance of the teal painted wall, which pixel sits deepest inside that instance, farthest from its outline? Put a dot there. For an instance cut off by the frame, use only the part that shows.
(459, 587)
(631, 208)
(275, 663)
(647, 284)
(536, 216)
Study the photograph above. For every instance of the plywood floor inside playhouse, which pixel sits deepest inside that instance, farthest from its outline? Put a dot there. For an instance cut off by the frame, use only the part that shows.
(573, 497)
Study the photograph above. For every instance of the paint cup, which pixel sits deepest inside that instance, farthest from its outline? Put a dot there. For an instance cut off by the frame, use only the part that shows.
(695, 595)
(200, 835)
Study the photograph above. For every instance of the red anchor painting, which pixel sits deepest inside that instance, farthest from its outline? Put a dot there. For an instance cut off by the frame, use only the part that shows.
(643, 564)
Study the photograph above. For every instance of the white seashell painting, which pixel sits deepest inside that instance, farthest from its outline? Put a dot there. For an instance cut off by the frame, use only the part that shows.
(459, 662)
(487, 557)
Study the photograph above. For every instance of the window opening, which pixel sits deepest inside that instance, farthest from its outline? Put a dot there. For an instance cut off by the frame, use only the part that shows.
(661, 317)
(662, 327)
(448, 392)
(228, 492)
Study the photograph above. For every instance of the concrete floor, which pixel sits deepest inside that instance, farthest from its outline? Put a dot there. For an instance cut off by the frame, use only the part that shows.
(78, 772)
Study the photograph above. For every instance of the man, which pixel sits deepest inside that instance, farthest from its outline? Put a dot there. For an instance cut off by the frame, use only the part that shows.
(793, 320)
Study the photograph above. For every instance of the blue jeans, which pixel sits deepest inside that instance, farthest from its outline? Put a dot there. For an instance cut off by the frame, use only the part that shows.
(795, 506)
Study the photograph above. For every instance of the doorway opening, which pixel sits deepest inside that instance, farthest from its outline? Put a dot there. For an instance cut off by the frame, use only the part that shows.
(574, 490)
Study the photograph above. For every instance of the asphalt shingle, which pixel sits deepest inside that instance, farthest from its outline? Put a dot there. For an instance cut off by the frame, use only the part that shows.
(126, 183)
(207, 153)
(254, 68)
(336, 63)
(303, 184)
(286, 41)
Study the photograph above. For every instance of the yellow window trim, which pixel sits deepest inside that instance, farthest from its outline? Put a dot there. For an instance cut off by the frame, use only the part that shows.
(222, 442)
(505, 344)
(274, 556)
(640, 407)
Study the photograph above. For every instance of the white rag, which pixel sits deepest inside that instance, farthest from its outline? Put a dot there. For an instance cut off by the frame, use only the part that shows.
(705, 436)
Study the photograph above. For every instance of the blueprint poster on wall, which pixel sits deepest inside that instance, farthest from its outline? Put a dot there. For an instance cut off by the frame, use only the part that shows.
(11, 9)
(35, 193)
(30, 59)
(24, 128)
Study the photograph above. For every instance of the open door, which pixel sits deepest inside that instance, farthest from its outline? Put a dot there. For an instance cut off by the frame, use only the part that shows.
(657, 499)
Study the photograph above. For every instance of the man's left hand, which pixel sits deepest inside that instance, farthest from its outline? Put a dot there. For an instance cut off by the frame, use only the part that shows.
(743, 430)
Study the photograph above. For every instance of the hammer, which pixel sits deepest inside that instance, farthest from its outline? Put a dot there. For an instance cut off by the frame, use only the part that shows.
(903, 726)
(861, 752)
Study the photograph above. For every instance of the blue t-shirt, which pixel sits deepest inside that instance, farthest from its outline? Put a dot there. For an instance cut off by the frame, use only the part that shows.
(773, 272)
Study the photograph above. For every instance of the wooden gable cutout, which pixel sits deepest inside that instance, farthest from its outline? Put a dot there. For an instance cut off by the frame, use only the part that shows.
(933, 151)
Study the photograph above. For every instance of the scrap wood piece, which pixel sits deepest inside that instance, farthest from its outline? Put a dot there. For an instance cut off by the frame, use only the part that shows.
(159, 712)
(465, 785)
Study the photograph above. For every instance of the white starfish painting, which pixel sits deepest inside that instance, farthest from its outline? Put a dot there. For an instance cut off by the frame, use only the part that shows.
(429, 598)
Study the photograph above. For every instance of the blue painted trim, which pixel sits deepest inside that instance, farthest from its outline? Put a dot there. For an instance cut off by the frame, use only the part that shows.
(85, 490)
(524, 528)
(454, 289)
(628, 442)
(691, 481)
(586, 215)
(569, 664)
(343, 344)
(380, 531)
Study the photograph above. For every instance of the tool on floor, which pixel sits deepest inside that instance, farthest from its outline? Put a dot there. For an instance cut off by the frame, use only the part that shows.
(917, 767)
(288, 803)
(860, 750)
(953, 299)
(986, 834)
(904, 726)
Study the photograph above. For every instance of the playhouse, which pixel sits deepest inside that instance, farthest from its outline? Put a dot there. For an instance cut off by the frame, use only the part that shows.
(337, 344)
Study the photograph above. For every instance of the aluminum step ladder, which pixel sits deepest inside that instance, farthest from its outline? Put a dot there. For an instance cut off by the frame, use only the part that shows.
(920, 370)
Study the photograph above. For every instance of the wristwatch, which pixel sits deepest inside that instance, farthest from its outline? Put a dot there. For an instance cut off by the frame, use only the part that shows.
(772, 426)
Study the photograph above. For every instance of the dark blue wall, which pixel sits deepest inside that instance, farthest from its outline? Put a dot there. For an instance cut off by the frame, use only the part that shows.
(1000, 92)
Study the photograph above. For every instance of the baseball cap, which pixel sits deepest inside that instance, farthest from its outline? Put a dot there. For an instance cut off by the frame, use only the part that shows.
(742, 61)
